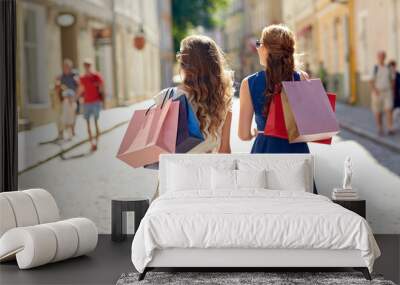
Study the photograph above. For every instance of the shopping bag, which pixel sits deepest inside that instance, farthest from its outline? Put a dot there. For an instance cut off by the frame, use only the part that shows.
(332, 102)
(308, 114)
(290, 121)
(189, 134)
(150, 132)
(275, 124)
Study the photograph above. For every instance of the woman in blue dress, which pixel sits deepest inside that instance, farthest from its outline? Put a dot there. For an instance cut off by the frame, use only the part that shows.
(276, 53)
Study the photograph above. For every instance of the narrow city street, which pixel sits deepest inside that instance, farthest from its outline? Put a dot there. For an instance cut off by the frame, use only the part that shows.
(386, 157)
(83, 183)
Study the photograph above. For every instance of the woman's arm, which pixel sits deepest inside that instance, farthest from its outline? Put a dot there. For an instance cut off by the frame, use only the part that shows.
(158, 99)
(304, 75)
(246, 113)
(225, 146)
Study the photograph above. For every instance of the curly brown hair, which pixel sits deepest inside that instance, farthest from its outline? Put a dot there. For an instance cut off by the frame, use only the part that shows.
(280, 44)
(207, 79)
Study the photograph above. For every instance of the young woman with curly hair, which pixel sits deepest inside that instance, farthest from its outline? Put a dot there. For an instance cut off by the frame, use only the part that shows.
(207, 84)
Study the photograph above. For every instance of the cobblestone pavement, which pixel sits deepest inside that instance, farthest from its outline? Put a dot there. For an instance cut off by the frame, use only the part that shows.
(360, 120)
(386, 157)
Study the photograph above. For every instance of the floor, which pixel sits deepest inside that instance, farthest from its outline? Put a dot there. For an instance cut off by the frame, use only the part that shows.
(104, 266)
(110, 260)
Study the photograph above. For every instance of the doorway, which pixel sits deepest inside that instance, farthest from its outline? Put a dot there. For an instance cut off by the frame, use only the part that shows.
(69, 44)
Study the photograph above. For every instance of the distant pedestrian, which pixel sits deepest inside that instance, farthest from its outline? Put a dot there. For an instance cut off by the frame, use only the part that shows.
(323, 74)
(382, 95)
(92, 90)
(396, 90)
(69, 111)
(66, 87)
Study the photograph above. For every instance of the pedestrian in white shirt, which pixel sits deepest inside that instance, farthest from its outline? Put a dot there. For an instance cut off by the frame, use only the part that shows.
(382, 95)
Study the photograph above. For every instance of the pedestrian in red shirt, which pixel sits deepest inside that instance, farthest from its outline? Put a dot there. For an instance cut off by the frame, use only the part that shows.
(91, 90)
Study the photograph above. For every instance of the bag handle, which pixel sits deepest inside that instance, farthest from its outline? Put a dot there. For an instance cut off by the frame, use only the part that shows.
(168, 95)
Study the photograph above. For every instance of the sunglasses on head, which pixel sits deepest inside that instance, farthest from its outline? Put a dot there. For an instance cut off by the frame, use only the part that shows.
(179, 57)
(258, 43)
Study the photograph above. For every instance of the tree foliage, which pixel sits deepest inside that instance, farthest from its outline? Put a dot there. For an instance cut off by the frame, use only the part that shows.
(187, 14)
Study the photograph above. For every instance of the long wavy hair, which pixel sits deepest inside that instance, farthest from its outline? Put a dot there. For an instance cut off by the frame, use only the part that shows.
(207, 79)
(280, 44)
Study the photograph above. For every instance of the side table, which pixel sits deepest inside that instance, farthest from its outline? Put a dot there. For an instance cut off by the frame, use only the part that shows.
(121, 205)
(357, 206)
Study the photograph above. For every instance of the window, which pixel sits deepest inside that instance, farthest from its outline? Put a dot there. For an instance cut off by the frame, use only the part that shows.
(34, 60)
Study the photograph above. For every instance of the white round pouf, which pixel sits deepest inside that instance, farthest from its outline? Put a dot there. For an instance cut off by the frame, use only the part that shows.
(7, 216)
(67, 240)
(23, 208)
(33, 246)
(45, 205)
(87, 233)
(31, 232)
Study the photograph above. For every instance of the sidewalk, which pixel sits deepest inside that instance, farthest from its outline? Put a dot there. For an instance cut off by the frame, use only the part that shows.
(360, 121)
(37, 146)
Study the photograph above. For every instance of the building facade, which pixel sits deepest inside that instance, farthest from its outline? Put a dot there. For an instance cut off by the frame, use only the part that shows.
(167, 55)
(321, 28)
(233, 36)
(102, 30)
(258, 14)
(243, 23)
(376, 27)
(345, 36)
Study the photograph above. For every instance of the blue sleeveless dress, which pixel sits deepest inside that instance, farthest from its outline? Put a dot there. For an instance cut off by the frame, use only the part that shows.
(264, 143)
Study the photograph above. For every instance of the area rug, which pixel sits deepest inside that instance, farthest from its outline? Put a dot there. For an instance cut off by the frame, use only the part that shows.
(243, 278)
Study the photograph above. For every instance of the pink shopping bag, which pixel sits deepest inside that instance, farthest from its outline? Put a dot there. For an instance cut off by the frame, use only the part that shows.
(312, 115)
(150, 133)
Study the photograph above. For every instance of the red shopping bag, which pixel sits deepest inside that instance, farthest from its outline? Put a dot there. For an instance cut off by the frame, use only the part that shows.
(275, 124)
(150, 133)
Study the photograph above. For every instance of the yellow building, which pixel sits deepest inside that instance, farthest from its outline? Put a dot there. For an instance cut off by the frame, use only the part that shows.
(376, 27)
(332, 20)
(299, 16)
(345, 35)
(322, 35)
